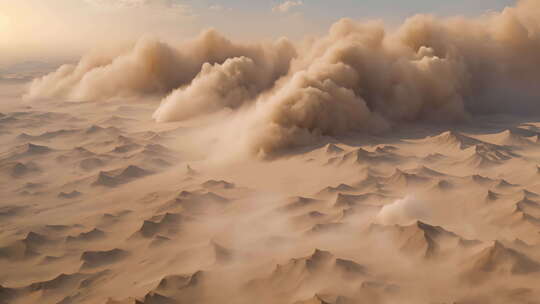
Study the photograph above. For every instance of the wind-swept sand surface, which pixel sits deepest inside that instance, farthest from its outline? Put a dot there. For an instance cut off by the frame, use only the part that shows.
(102, 205)
(364, 166)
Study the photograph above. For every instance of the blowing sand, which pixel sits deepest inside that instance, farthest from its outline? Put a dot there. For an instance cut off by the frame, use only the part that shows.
(362, 167)
(100, 204)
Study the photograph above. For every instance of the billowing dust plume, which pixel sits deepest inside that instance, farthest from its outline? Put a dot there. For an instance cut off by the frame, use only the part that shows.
(156, 68)
(359, 77)
(404, 212)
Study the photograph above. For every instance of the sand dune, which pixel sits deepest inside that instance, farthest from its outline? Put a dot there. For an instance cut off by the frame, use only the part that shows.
(168, 223)
(92, 163)
(511, 138)
(492, 196)
(72, 194)
(94, 234)
(501, 260)
(350, 200)
(25, 151)
(333, 149)
(19, 169)
(120, 176)
(341, 188)
(25, 248)
(93, 259)
(362, 157)
(452, 139)
(214, 184)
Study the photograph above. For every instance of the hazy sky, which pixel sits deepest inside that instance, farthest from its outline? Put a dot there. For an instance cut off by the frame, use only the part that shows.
(41, 29)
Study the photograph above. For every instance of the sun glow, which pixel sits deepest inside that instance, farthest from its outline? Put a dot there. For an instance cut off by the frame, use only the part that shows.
(5, 21)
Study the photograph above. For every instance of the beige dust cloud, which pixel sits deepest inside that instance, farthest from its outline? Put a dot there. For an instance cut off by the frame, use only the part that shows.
(359, 77)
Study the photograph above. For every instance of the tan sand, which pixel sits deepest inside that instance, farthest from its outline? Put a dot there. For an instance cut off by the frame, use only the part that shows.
(363, 167)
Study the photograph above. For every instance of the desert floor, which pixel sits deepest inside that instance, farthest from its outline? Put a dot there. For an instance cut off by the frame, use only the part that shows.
(99, 204)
